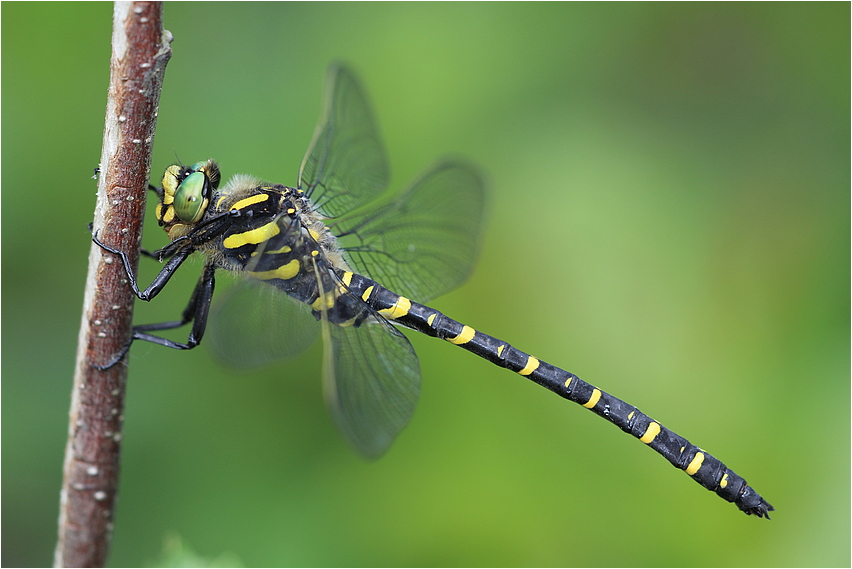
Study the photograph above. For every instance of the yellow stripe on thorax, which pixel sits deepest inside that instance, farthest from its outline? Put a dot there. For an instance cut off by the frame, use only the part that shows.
(285, 272)
(284, 249)
(324, 302)
(347, 323)
(257, 198)
(253, 236)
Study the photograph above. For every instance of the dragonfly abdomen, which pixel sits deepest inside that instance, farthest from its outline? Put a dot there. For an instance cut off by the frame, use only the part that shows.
(701, 466)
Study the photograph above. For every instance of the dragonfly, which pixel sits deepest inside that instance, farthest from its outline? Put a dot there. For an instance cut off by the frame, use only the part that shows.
(337, 256)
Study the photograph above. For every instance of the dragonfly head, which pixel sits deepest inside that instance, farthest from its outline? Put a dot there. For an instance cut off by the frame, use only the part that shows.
(186, 196)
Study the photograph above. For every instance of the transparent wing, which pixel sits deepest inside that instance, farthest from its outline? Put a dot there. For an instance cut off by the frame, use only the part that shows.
(254, 324)
(371, 380)
(425, 242)
(345, 165)
(371, 376)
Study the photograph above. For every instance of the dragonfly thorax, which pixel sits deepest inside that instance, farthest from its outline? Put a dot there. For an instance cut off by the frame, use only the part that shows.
(273, 219)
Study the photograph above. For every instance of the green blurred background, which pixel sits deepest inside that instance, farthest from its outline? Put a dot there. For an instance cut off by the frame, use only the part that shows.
(669, 218)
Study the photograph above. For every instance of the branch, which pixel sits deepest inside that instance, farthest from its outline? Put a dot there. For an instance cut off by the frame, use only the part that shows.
(140, 51)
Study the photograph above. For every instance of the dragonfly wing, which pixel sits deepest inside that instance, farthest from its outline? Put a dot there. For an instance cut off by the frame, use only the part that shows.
(371, 380)
(345, 165)
(255, 324)
(425, 242)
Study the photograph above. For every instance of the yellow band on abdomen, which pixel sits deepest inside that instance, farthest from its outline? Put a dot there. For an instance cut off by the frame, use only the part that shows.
(399, 309)
(532, 365)
(465, 336)
(593, 400)
(695, 464)
(651, 433)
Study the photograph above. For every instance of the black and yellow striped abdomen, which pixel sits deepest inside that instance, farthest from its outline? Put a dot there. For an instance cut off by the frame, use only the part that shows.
(703, 467)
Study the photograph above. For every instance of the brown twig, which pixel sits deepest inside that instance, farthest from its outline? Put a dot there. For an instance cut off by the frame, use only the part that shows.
(140, 51)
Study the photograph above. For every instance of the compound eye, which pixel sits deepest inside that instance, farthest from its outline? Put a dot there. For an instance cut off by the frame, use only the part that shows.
(189, 198)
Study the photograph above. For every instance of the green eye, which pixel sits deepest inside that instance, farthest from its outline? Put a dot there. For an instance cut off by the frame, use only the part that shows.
(189, 198)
